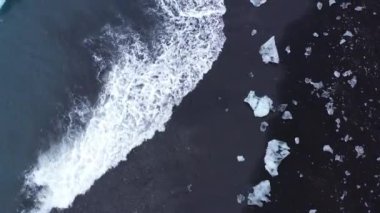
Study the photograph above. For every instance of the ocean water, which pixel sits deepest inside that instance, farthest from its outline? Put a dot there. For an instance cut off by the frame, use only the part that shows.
(45, 70)
(84, 82)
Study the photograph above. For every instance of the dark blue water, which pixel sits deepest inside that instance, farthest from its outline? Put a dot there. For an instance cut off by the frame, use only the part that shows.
(44, 69)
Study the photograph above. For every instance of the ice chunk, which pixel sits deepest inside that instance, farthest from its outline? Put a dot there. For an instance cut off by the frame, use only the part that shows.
(353, 81)
(287, 49)
(359, 151)
(308, 51)
(240, 158)
(348, 34)
(337, 74)
(260, 105)
(316, 85)
(359, 8)
(240, 198)
(330, 108)
(339, 158)
(331, 2)
(297, 140)
(260, 194)
(276, 151)
(347, 73)
(327, 148)
(268, 51)
(342, 41)
(315, 34)
(258, 3)
(319, 5)
(287, 116)
(312, 211)
(282, 107)
(263, 126)
(253, 32)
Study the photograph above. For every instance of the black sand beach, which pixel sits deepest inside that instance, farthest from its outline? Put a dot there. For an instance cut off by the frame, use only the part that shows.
(192, 166)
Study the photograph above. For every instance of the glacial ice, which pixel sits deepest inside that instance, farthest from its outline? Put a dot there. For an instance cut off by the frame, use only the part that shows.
(258, 3)
(263, 126)
(240, 158)
(276, 151)
(260, 194)
(260, 105)
(287, 116)
(268, 51)
(327, 148)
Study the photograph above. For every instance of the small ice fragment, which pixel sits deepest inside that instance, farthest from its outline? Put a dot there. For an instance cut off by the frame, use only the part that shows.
(287, 49)
(337, 74)
(275, 153)
(339, 158)
(359, 151)
(253, 32)
(189, 187)
(287, 116)
(312, 211)
(348, 34)
(258, 3)
(327, 148)
(347, 73)
(316, 85)
(378, 159)
(353, 81)
(330, 108)
(308, 51)
(315, 34)
(251, 75)
(342, 41)
(331, 2)
(345, 5)
(359, 8)
(263, 126)
(297, 140)
(343, 195)
(268, 51)
(240, 158)
(240, 198)
(282, 107)
(295, 103)
(347, 173)
(260, 194)
(260, 105)
(319, 5)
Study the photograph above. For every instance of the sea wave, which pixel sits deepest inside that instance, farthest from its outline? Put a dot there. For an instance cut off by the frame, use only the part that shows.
(141, 88)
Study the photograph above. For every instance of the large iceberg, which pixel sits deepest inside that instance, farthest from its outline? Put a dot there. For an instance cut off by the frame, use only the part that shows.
(268, 51)
(260, 105)
(260, 194)
(276, 152)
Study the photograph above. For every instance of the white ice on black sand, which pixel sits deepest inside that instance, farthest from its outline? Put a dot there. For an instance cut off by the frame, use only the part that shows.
(260, 194)
(260, 105)
(276, 151)
(268, 51)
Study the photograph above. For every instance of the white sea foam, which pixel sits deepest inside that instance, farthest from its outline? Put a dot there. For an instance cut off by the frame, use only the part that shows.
(137, 99)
